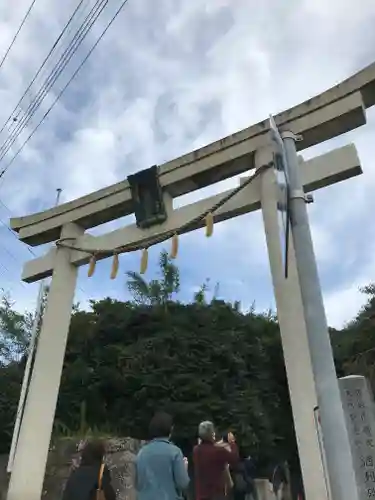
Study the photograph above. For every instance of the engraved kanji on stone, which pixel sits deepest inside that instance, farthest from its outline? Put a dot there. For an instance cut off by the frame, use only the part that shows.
(356, 430)
(371, 492)
(369, 461)
(370, 443)
(367, 430)
(370, 476)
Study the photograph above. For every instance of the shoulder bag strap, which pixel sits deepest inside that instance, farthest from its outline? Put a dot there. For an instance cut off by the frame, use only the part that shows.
(100, 478)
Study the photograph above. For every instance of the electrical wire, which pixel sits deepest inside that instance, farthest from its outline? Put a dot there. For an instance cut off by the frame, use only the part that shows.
(77, 15)
(8, 252)
(6, 269)
(12, 256)
(6, 168)
(54, 75)
(15, 236)
(17, 33)
(14, 113)
(11, 230)
(26, 246)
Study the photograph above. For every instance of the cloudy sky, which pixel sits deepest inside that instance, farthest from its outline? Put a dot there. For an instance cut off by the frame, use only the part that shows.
(168, 77)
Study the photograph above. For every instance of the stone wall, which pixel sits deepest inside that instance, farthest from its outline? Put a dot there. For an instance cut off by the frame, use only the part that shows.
(64, 456)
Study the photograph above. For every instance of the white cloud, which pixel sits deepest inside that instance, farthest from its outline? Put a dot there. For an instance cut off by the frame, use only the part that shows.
(171, 76)
(343, 304)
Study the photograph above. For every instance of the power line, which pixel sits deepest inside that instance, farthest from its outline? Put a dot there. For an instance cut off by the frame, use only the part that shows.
(13, 118)
(14, 258)
(3, 223)
(53, 76)
(5, 268)
(17, 33)
(8, 252)
(6, 208)
(64, 88)
(26, 246)
(13, 113)
(15, 236)
(11, 230)
(81, 34)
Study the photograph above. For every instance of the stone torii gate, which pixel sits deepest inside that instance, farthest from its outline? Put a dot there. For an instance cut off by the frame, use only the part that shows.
(336, 111)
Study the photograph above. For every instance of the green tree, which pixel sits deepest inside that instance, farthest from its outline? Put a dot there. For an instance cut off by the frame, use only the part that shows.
(126, 360)
(157, 291)
(207, 359)
(15, 330)
(199, 296)
(354, 345)
(10, 386)
(197, 361)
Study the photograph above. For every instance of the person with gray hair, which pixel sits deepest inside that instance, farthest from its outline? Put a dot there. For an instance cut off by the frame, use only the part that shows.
(206, 431)
(210, 464)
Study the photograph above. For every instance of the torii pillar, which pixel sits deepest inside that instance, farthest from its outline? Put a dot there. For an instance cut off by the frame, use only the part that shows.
(31, 455)
(294, 340)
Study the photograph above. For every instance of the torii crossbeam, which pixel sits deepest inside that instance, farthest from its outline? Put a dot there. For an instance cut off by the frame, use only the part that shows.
(336, 111)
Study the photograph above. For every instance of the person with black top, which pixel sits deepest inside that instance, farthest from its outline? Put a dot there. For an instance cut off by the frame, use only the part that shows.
(91, 475)
(279, 480)
(250, 474)
(238, 473)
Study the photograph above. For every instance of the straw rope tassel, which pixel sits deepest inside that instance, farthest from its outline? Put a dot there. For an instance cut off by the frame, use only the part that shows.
(209, 224)
(92, 266)
(144, 261)
(174, 250)
(115, 266)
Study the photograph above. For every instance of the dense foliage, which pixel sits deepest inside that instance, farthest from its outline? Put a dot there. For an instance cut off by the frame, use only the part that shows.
(206, 359)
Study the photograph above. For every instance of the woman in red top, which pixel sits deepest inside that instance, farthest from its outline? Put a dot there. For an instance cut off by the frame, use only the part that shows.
(210, 462)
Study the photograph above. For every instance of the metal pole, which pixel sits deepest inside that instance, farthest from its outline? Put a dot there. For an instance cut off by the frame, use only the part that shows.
(58, 194)
(29, 364)
(26, 377)
(335, 434)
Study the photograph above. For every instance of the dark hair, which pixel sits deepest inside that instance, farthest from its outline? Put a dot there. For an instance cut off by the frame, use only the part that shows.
(224, 435)
(93, 453)
(161, 425)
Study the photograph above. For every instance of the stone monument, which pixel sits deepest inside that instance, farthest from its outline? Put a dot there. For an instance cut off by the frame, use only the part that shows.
(358, 403)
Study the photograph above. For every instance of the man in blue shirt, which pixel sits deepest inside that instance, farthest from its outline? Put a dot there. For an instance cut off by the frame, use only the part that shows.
(161, 469)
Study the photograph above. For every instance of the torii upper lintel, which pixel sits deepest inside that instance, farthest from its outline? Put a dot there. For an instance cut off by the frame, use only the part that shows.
(327, 115)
